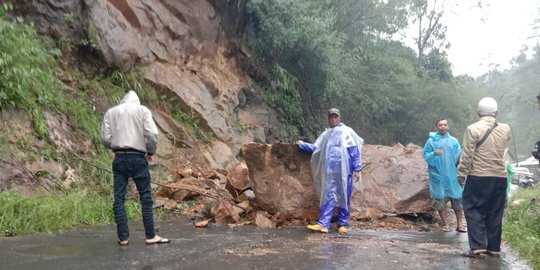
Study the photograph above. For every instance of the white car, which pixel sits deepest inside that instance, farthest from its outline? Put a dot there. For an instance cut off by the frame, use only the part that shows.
(522, 171)
(523, 177)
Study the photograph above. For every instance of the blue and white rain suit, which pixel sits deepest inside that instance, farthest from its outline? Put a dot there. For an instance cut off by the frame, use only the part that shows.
(336, 155)
(442, 170)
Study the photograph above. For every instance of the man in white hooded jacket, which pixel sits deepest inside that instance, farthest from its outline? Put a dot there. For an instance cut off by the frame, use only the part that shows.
(128, 129)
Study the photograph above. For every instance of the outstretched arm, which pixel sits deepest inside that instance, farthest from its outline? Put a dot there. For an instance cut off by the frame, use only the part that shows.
(306, 146)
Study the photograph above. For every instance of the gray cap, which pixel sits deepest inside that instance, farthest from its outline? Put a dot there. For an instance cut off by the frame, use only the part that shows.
(334, 111)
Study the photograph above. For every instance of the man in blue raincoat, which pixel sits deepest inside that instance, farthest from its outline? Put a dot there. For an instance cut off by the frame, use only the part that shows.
(335, 161)
(441, 153)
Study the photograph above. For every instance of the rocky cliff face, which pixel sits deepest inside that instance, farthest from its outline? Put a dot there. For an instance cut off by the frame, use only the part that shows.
(184, 52)
(182, 49)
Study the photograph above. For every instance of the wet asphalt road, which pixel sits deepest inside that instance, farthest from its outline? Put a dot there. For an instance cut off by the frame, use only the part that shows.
(247, 247)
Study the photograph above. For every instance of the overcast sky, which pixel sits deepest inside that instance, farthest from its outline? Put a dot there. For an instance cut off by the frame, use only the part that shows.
(487, 35)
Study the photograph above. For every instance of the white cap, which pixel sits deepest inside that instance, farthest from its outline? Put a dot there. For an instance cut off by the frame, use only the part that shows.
(487, 105)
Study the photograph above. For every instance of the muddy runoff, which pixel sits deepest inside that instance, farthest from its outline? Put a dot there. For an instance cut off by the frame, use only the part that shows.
(246, 247)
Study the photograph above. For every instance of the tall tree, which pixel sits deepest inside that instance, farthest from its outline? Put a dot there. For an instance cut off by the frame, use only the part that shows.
(431, 34)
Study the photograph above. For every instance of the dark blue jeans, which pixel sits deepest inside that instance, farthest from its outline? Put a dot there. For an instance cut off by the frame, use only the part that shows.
(136, 167)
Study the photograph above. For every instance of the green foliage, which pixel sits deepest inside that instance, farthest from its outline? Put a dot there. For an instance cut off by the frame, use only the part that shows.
(28, 82)
(339, 54)
(435, 66)
(90, 40)
(85, 119)
(119, 82)
(298, 37)
(284, 96)
(191, 122)
(241, 127)
(27, 72)
(69, 18)
(365, 20)
(288, 135)
(114, 84)
(515, 90)
(415, 119)
(47, 212)
(521, 226)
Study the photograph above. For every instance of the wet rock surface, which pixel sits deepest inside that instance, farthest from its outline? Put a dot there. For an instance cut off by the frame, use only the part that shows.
(247, 247)
(395, 180)
(281, 179)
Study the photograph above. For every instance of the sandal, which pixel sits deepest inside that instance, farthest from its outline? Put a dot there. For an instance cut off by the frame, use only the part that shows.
(123, 243)
(157, 240)
(493, 253)
(474, 254)
(461, 229)
(445, 229)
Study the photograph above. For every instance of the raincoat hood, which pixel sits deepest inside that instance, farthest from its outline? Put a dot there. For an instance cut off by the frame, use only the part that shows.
(131, 97)
(129, 125)
(436, 136)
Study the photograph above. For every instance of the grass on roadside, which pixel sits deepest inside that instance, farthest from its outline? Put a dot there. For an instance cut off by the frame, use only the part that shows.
(49, 212)
(32, 81)
(521, 227)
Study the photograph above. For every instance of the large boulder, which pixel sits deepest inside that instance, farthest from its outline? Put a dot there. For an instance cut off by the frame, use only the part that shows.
(281, 179)
(395, 180)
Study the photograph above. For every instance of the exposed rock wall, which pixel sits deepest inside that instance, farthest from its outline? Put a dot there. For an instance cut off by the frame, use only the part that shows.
(56, 18)
(182, 48)
(149, 30)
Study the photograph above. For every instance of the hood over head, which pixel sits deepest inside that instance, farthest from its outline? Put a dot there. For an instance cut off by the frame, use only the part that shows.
(131, 97)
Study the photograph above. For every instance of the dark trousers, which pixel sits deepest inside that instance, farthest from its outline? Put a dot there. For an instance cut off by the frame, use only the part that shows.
(136, 167)
(483, 204)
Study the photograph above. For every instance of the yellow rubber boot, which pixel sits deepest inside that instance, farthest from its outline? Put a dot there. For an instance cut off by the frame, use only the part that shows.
(317, 228)
(342, 229)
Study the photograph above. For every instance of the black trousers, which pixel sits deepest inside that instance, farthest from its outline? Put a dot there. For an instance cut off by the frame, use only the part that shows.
(484, 200)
